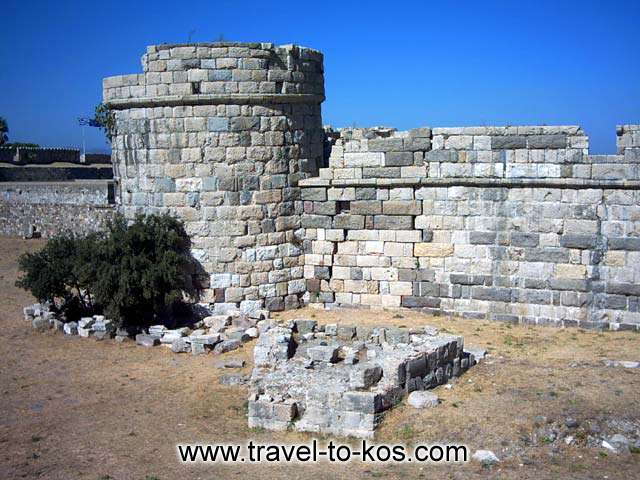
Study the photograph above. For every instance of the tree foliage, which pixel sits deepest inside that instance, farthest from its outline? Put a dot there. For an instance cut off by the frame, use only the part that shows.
(134, 273)
(4, 131)
(143, 269)
(105, 119)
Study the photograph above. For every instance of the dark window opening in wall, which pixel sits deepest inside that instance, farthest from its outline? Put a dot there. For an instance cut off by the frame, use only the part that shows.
(279, 87)
(111, 194)
(343, 206)
(195, 88)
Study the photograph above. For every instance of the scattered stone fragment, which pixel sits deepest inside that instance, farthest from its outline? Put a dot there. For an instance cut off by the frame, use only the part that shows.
(345, 332)
(208, 339)
(180, 345)
(252, 332)
(233, 379)
(619, 442)
(86, 322)
(324, 353)
(239, 335)
(431, 331)
(226, 346)
(274, 345)
(157, 330)
(331, 329)
(170, 336)
(70, 328)
(217, 323)
(242, 322)
(571, 422)
(478, 352)
(621, 363)
(101, 335)
(486, 457)
(422, 399)
(84, 332)
(145, 340)
(230, 363)
(365, 376)
(40, 324)
(304, 325)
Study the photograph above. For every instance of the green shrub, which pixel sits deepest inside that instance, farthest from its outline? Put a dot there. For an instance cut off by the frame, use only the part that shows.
(58, 274)
(142, 269)
(136, 274)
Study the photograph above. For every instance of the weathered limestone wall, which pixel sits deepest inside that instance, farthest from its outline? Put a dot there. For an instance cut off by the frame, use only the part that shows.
(51, 208)
(508, 223)
(220, 134)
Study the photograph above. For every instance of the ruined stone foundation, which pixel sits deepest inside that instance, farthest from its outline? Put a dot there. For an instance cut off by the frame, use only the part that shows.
(340, 379)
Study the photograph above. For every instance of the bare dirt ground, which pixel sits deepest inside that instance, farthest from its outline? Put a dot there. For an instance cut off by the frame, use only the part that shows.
(73, 408)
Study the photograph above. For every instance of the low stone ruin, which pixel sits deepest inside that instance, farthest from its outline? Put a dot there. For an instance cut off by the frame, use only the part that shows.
(340, 379)
(213, 334)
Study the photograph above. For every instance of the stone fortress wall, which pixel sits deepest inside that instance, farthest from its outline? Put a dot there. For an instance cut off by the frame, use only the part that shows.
(516, 224)
(508, 223)
(220, 134)
(46, 191)
(45, 209)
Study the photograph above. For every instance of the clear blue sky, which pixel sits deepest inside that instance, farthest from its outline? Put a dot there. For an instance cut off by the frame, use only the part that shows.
(400, 64)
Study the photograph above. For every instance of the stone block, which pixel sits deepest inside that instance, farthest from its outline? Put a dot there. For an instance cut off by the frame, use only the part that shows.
(391, 222)
(570, 240)
(433, 249)
(364, 376)
(348, 221)
(402, 207)
(547, 141)
(365, 207)
(398, 159)
(323, 353)
(386, 145)
(305, 325)
(218, 124)
(147, 340)
(226, 346)
(508, 142)
(482, 238)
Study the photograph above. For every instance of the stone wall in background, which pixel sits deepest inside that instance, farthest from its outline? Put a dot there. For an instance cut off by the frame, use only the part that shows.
(516, 224)
(45, 209)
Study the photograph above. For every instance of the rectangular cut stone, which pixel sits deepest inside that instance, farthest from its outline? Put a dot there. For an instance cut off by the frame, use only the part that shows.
(363, 159)
(547, 141)
(508, 142)
(386, 145)
(402, 207)
(398, 159)
(218, 124)
(389, 222)
(433, 249)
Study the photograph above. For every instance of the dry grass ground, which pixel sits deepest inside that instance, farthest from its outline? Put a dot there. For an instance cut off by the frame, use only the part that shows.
(74, 408)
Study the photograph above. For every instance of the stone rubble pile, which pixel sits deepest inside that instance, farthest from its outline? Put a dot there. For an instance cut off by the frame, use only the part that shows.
(340, 379)
(215, 334)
